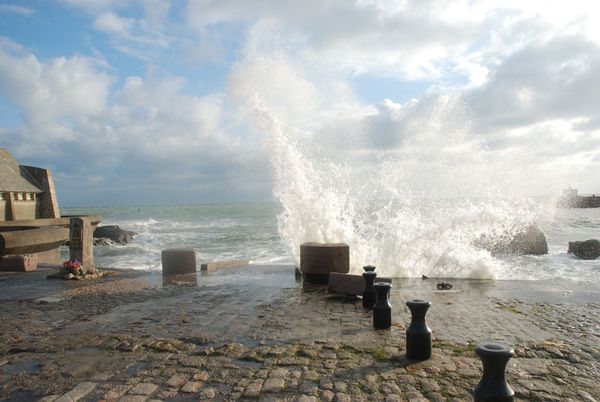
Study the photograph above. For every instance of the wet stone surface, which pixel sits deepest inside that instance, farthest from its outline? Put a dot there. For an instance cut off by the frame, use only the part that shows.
(256, 334)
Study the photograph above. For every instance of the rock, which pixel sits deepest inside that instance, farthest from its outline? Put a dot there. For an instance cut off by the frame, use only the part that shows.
(114, 233)
(586, 250)
(529, 240)
(103, 242)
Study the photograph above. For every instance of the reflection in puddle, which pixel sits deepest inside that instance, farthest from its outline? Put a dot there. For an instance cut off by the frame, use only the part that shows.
(178, 280)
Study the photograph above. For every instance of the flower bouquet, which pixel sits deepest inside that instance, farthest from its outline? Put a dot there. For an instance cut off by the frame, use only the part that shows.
(73, 266)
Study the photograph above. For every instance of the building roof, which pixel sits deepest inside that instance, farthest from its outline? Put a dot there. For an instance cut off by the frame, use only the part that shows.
(10, 175)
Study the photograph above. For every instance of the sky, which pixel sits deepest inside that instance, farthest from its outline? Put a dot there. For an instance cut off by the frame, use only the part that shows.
(153, 102)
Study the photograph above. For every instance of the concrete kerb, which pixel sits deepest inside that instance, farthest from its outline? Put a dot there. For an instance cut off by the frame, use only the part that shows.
(213, 266)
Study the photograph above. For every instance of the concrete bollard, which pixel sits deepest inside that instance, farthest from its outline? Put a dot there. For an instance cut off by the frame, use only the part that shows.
(382, 310)
(418, 334)
(318, 260)
(178, 261)
(369, 295)
(493, 386)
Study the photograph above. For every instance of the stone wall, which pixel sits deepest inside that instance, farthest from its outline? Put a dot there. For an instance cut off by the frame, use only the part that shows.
(24, 210)
(19, 206)
(48, 202)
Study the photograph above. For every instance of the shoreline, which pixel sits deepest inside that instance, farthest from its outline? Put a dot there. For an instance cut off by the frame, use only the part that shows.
(255, 333)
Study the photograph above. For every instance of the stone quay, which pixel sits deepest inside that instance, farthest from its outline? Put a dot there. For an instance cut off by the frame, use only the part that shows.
(254, 333)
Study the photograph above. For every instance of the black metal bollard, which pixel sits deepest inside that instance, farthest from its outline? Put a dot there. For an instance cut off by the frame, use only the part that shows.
(418, 334)
(493, 386)
(369, 293)
(382, 310)
(369, 268)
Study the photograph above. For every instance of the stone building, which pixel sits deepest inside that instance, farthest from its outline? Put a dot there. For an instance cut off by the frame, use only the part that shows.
(26, 192)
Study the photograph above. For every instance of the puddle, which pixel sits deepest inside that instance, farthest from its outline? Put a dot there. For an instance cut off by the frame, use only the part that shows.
(21, 396)
(25, 366)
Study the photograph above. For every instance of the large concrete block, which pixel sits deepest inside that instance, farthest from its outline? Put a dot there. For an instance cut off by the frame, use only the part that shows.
(318, 260)
(349, 284)
(19, 263)
(178, 261)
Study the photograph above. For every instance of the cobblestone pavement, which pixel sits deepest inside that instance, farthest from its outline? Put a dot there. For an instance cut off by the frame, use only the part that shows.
(256, 334)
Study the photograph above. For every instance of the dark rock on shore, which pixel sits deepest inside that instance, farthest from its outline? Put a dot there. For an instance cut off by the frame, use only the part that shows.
(586, 250)
(529, 240)
(112, 233)
(103, 242)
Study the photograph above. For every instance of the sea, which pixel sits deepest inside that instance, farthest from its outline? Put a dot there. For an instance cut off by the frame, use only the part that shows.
(258, 232)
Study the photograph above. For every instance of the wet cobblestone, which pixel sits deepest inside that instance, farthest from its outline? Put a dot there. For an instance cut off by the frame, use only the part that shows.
(281, 342)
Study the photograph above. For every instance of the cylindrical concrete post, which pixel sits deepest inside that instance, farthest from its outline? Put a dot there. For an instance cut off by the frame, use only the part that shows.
(178, 261)
(317, 260)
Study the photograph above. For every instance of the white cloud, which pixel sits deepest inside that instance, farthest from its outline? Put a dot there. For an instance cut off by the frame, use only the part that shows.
(47, 93)
(146, 136)
(113, 24)
(15, 9)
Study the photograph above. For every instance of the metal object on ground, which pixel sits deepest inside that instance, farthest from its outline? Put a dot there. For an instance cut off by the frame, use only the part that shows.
(382, 310)
(493, 386)
(444, 286)
(369, 268)
(369, 295)
(418, 334)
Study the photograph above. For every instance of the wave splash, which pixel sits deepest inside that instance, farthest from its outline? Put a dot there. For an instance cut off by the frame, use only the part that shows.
(410, 202)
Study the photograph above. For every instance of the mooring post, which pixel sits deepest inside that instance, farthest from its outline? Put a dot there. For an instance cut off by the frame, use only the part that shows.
(382, 310)
(493, 386)
(418, 334)
(369, 295)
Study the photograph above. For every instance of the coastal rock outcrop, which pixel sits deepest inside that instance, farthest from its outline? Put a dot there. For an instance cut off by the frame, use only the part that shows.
(112, 233)
(529, 240)
(586, 250)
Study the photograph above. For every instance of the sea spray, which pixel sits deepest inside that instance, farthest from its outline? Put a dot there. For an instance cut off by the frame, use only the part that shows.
(412, 207)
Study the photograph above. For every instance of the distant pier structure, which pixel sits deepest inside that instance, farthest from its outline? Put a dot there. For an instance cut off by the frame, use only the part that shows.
(572, 199)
